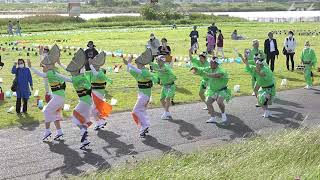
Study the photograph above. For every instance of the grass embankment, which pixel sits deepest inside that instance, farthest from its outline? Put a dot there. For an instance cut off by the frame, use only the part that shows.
(60, 23)
(290, 155)
(127, 7)
(134, 41)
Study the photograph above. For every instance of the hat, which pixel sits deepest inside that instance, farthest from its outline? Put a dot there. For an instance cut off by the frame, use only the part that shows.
(77, 61)
(53, 56)
(145, 57)
(99, 60)
(204, 54)
(91, 42)
(255, 41)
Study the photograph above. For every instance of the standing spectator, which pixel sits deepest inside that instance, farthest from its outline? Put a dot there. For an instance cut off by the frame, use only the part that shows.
(214, 29)
(164, 49)
(309, 60)
(18, 29)
(10, 28)
(194, 35)
(220, 44)
(290, 45)
(211, 42)
(24, 79)
(90, 52)
(153, 44)
(271, 50)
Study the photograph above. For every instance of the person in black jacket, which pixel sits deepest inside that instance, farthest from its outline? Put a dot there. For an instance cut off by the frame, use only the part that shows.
(91, 52)
(271, 50)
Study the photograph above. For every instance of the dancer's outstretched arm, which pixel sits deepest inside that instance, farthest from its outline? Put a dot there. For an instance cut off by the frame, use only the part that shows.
(36, 71)
(93, 70)
(65, 78)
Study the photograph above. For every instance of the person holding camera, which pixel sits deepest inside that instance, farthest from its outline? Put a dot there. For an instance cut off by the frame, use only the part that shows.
(22, 84)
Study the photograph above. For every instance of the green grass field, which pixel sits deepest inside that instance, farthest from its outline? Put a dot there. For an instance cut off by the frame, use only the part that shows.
(290, 155)
(133, 41)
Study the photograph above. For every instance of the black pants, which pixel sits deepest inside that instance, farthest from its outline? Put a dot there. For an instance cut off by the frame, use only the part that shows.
(290, 55)
(18, 105)
(271, 57)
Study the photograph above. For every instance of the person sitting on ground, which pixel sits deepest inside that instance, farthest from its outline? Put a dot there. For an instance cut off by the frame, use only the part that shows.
(235, 36)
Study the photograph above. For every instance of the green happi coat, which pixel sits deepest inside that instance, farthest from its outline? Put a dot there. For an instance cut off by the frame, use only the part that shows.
(167, 78)
(144, 77)
(196, 63)
(100, 79)
(266, 83)
(309, 59)
(83, 87)
(251, 61)
(56, 82)
(216, 86)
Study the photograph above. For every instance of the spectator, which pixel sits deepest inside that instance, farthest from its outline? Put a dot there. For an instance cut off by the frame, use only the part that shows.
(290, 45)
(211, 42)
(153, 44)
(214, 29)
(18, 29)
(194, 35)
(24, 79)
(220, 44)
(10, 28)
(164, 49)
(235, 36)
(90, 52)
(271, 50)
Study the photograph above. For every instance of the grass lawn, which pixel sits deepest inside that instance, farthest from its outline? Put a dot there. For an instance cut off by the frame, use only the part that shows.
(290, 155)
(133, 41)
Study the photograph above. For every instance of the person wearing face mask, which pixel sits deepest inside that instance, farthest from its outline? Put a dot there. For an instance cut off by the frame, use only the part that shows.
(217, 89)
(24, 83)
(309, 60)
(264, 80)
(290, 45)
(90, 52)
(201, 62)
(82, 112)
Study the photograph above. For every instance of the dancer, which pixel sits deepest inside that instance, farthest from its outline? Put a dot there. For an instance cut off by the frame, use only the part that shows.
(217, 89)
(309, 60)
(250, 54)
(82, 112)
(53, 111)
(265, 81)
(167, 78)
(145, 83)
(201, 62)
(100, 109)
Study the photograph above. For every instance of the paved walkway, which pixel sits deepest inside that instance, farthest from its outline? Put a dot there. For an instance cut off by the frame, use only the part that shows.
(24, 156)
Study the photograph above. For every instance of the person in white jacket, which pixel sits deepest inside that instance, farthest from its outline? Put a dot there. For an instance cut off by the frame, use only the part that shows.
(290, 45)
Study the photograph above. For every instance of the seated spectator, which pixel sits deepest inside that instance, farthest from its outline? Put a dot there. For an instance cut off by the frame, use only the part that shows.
(235, 36)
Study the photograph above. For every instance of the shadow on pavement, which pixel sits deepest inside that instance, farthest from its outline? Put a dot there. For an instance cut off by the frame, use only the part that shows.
(285, 116)
(72, 160)
(287, 103)
(153, 142)
(28, 123)
(186, 130)
(112, 139)
(238, 127)
(183, 91)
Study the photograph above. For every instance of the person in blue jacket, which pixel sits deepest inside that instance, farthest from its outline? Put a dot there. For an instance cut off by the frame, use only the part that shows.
(24, 80)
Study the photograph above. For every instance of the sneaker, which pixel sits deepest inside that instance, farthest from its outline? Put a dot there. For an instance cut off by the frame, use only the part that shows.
(58, 136)
(257, 105)
(224, 118)
(253, 94)
(168, 115)
(212, 120)
(164, 116)
(84, 144)
(266, 114)
(46, 135)
(307, 87)
(205, 108)
(143, 132)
